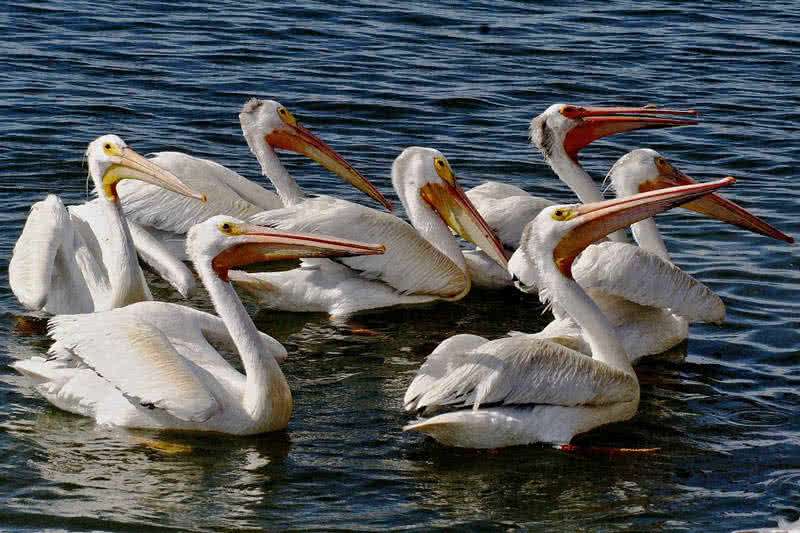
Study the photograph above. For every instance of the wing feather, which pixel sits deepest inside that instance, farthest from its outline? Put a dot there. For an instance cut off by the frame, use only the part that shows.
(158, 256)
(527, 370)
(51, 267)
(411, 265)
(139, 360)
(444, 359)
(32, 261)
(507, 209)
(644, 278)
(227, 193)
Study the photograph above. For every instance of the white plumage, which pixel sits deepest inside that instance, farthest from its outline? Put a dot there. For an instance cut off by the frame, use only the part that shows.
(421, 264)
(526, 388)
(153, 364)
(82, 259)
(266, 125)
(646, 297)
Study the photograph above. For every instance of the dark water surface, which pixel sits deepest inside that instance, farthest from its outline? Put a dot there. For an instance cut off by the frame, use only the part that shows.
(372, 79)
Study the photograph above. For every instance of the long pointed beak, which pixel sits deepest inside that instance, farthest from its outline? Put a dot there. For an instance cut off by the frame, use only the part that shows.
(601, 218)
(597, 122)
(134, 166)
(301, 140)
(714, 205)
(261, 244)
(458, 212)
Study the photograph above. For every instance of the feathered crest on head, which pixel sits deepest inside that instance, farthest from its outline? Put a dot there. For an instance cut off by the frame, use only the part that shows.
(542, 136)
(251, 105)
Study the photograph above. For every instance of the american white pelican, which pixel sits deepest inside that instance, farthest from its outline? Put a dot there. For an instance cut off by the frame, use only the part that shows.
(422, 263)
(151, 364)
(82, 259)
(520, 390)
(266, 125)
(559, 133)
(646, 297)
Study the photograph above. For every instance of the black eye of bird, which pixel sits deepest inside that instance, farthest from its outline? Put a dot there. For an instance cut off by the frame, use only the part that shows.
(107, 146)
(559, 213)
(226, 226)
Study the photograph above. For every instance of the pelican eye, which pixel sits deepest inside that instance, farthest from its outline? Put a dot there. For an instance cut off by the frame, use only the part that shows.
(227, 228)
(109, 148)
(570, 111)
(443, 170)
(663, 165)
(286, 116)
(562, 214)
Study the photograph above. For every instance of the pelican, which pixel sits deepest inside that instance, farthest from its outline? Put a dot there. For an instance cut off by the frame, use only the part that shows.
(423, 261)
(81, 259)
(520, 390)
(151, 364)
(266, 125)
(646, 297)
(559, 133)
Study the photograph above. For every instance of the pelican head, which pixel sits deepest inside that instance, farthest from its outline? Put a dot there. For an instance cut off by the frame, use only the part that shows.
(270, 122)
(646, 170)
(425, 171)
(227, 242)
(565, 129)
(111, 160)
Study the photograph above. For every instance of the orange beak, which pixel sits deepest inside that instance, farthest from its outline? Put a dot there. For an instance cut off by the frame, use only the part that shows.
(713, 205)
(301, 140)
(133, 166)
(597, 122)
(457, 211)
(598, 219)
(256, 244)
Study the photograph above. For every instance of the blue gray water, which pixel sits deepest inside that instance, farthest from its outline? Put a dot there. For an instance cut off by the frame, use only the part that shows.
(371, 79)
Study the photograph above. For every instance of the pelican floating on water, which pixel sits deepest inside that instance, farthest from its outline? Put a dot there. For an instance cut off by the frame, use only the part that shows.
(151, 364)
(648, 299)
(423, 261)
(266, 125)
(82, 259)
(520, 390)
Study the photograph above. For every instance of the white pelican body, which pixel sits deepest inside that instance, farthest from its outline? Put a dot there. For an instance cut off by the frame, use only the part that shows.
(422, 263)
(151, 365)
(266, 125)
(82, 259)
(520, 390)
(648, 299)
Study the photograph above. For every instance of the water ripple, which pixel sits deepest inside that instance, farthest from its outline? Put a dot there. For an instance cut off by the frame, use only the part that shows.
(372, 79)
